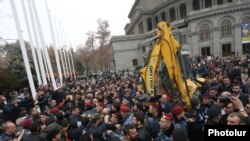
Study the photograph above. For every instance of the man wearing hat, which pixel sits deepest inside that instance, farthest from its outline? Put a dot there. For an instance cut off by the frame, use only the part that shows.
(180, 122)
(196, 121)
(166, 128)
(214, 116)
(127, 116)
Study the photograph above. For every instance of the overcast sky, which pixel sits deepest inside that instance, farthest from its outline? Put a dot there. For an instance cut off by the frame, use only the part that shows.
(76, 17)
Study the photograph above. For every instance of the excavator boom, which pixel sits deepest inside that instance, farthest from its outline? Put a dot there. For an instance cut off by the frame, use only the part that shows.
(166, 50)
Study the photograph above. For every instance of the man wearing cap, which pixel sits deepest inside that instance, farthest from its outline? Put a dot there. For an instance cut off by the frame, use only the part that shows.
(180, 122)
(214, 115)
(196, 121)
(167, 127)
(127, 116)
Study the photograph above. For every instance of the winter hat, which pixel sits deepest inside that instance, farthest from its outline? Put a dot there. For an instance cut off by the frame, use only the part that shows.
(154, 104)
(54, 110)
(88, 104)
(167, 116)
(124, 108)
(27, 122)
(206, 95)
(213, 111)
(177, 110)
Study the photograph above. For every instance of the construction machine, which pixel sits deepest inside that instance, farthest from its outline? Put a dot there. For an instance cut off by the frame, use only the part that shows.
(165, 62)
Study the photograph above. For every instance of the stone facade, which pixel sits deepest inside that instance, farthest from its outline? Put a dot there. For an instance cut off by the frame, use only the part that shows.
(207, 27)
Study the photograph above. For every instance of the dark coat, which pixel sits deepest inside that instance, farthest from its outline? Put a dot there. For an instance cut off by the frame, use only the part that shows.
(35, 136)
(11, 112)
(143, 134)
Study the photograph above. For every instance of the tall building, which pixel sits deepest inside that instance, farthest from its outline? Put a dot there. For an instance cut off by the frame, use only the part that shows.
(206, 28)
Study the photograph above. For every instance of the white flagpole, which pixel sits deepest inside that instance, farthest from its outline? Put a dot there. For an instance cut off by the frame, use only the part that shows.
(71, 50)
(54, 45)
(63, 51)
(60, 51)
(45, 48)
(38, 49)
(31, 43)
(67, 55)
(65, 60)
(45, 64)
(72, 62)
(23, 49)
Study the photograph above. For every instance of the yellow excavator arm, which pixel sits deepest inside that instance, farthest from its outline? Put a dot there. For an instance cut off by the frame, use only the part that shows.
(166, 50)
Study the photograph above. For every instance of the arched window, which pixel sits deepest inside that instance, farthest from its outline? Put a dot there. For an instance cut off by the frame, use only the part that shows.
(226, 28)
(204, 32)
(246, 20)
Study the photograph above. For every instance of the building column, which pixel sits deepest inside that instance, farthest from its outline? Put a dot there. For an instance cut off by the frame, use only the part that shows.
(237, 40)
(194, 45)
(189, 6)
(216, 49)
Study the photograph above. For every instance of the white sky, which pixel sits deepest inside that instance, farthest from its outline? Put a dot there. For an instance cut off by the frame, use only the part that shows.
(76, 17)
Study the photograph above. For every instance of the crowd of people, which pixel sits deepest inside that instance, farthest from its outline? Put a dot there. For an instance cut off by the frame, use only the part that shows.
(114, 107)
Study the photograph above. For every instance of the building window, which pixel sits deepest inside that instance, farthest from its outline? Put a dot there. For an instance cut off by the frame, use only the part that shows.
(196, 4)
(172, 14)
(230, 1)
(141, 27)
(246, 20)
(219, 2)
(135, 62)
(246, 48)
(205, 51)
(143, 49)
(183, 11)
(163, 16)
(226, 28)
(156, 20)
(149, 22)
(226, 50)
(204, 32)
(208, 3)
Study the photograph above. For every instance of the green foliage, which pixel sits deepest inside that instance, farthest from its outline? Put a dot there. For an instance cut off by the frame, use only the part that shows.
(16, 64)
(8, 80)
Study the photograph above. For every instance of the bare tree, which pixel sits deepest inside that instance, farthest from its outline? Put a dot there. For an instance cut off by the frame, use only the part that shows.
(89, 51)
(103, 36)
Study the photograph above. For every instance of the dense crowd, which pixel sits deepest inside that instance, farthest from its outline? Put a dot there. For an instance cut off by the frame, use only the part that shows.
(113, 107)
